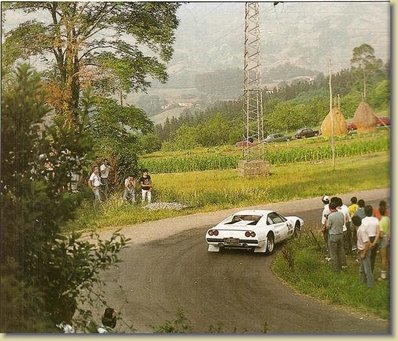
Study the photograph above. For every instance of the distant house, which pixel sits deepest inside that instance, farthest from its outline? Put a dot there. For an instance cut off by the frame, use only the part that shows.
(306, 79)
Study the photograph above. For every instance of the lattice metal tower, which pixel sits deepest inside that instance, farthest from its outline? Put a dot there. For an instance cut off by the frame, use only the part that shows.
(253, 107)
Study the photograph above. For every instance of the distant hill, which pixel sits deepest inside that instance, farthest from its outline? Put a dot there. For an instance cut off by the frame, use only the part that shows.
(297, 40)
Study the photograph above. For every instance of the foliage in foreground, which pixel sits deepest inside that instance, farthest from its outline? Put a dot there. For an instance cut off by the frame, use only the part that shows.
(181, 324)
(44, 274)
(301, 263)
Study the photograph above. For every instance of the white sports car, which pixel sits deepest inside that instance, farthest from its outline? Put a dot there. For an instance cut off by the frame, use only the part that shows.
(257, 230)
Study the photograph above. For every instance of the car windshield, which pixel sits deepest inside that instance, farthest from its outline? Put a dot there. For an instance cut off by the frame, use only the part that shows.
(254, 219)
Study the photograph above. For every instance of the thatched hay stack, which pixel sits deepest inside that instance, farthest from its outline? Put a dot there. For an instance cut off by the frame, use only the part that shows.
(340, 124)
(365, 118)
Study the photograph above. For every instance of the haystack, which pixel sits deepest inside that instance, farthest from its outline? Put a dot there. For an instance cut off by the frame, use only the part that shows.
(340, 124)
(365, 118)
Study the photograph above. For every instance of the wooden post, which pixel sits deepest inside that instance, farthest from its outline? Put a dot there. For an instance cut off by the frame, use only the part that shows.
(332, 115)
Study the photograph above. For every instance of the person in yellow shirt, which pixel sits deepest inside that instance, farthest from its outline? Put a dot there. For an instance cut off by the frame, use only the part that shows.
(352, 208)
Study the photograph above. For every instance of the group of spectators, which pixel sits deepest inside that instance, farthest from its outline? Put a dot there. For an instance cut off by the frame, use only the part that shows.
(98, 181)
(108, 323)
(356, 228)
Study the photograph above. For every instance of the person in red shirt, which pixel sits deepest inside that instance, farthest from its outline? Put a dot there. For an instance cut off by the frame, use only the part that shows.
(383, 207)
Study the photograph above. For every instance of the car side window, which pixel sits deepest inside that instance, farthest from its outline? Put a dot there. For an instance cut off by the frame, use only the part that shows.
(275, 218)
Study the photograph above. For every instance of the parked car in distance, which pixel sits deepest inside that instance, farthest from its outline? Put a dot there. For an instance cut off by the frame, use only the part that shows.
(276, 138)
(244, 143)
(255, 230)
(383, 121)
(351, 127)
(306, 132)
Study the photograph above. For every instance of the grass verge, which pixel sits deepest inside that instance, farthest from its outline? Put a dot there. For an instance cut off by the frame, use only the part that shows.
(301, 264)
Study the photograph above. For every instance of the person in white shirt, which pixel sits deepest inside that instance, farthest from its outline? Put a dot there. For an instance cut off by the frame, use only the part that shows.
(129, 189)
(371, 225)
(94, 183)
(105, 169)
(363, 247)
(346, 228)
(325, 213)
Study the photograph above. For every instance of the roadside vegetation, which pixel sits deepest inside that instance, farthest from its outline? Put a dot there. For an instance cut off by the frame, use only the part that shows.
(301, 263)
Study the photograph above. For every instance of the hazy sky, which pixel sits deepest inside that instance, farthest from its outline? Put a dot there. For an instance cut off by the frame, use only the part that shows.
(209, 29)
(212, 25)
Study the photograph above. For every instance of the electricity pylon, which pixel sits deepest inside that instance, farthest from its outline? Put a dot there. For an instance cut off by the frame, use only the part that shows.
(253, 101)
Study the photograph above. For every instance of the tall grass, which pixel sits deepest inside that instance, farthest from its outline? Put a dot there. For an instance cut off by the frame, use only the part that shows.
(312, 275)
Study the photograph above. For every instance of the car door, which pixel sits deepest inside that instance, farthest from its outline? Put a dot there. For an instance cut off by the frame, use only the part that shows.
(279, 226)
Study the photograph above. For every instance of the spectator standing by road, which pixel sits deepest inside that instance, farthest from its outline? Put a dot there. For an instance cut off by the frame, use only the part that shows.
(346, 228)
(360, 212)
(95, 182)
(363, 247)
(384, 244)
(129, 189)
(352, 208)
(334, 224)
(108, 321)
(382, 206)
(371, 225)
(97, 162)
(146, 186)
(325, 232)
(105, 169)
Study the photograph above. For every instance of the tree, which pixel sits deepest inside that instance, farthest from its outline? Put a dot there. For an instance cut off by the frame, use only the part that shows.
(380, 97)
(116, 130)
(96, 43)
(364, 61)
(43, 271)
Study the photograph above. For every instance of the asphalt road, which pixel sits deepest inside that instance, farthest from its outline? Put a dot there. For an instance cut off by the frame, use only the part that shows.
(167, 267)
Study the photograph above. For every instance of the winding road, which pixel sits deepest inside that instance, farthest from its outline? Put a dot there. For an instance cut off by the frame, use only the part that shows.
(167, 267)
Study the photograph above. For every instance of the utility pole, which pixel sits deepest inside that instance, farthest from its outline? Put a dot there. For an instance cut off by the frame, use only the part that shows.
(332, 116)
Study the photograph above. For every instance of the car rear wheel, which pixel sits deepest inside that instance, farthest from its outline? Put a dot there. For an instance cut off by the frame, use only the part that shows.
(270, 244)
(296, 233)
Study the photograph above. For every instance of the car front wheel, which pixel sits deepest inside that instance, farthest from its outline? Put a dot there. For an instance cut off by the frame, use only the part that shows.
(270, 244)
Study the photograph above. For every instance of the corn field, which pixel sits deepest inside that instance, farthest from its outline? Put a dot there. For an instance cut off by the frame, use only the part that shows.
(276, 154)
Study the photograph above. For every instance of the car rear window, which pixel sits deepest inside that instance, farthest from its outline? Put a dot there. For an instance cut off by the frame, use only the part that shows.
(254, 219)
